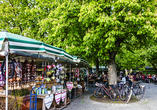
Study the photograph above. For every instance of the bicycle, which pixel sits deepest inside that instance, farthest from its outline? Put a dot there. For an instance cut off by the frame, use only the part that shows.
(123, 89)
(113, 93)
(137, 89)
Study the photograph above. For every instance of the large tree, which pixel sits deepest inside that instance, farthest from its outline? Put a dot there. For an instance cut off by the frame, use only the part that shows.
(113, 23)
(95, 29)
(101, 27)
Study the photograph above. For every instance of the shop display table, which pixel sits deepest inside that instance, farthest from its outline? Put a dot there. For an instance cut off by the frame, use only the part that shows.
(42, 98)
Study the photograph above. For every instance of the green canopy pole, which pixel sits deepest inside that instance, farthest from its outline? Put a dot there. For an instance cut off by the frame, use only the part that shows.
(70, 79)
(6, 56)
(87, 77)
(75, 81)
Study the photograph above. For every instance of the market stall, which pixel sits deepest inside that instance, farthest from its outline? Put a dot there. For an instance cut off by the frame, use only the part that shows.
(79, 78)
(37, 65)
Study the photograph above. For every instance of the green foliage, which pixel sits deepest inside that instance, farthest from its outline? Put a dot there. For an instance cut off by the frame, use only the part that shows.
(21, 92)
(134, 59)
(49, 89)
(92, 29)
(151, 56)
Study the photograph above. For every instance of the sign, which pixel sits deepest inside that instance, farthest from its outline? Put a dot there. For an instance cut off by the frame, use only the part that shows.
(69, 85)
(48, 101)
(58, 97)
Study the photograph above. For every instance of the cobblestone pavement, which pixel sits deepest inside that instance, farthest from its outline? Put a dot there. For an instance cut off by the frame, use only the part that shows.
(85, 103)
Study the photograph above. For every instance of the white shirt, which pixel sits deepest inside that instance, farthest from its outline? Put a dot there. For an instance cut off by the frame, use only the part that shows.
(124, 80)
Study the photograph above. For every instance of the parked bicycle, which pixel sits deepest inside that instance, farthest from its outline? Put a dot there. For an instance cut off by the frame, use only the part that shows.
(113, 93)
(137, 89)
(123, 89)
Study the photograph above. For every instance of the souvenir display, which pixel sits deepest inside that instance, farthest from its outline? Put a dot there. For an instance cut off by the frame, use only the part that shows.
(63, 95)
(48, 100)
(25, 76)
(18, 72)
(58, 97)
(33, 72)
(69, 85)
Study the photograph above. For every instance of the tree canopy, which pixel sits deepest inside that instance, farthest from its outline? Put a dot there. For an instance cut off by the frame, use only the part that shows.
(94, 29)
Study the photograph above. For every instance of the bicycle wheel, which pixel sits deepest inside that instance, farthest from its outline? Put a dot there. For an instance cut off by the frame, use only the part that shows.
(135, 89)
(140, 92)
(114, 94)
(129, 96)
(123, 94)
(143, 93)
(98, 92)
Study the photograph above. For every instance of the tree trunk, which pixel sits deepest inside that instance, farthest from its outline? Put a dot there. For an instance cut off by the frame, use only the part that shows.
(97, 67)
(112, 73)
(154, 66)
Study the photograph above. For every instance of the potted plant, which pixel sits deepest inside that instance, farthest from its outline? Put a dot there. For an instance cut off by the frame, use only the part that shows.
(49, 90)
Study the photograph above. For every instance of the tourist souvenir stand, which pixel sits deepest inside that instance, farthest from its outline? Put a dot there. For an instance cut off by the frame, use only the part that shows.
(28, 53)
(80, 72)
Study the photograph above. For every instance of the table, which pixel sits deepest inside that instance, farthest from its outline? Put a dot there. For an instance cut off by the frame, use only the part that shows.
(92, 80)
(105, 80)
(97, 79)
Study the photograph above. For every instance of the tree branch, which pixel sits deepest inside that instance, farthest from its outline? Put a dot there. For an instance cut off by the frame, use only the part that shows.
(154, 66)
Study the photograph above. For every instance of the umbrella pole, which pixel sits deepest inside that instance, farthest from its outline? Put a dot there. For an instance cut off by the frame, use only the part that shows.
(70, 79)
(75, 82)
(6, 50)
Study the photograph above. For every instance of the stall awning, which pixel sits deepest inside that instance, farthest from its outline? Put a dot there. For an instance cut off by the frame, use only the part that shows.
(82, 62)
(18, 43)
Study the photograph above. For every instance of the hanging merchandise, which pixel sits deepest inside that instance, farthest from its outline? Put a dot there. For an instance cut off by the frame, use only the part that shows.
(69, 85)
(52, 71)
(60, 69)
(28, 68)
(48, 101)
(58, 66)
(1, 77)
(1, 80)
(62, 82)
(45, 69)
(65, 69)
(48, 70)
(78, 79)
(77, 72)
(49, 66)
(62, 72)
(57, 79)
(53, 66)
(11, 68)
(62, 79)
(57, 72)
(18, 72)
(58, 97)
(33, 73)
